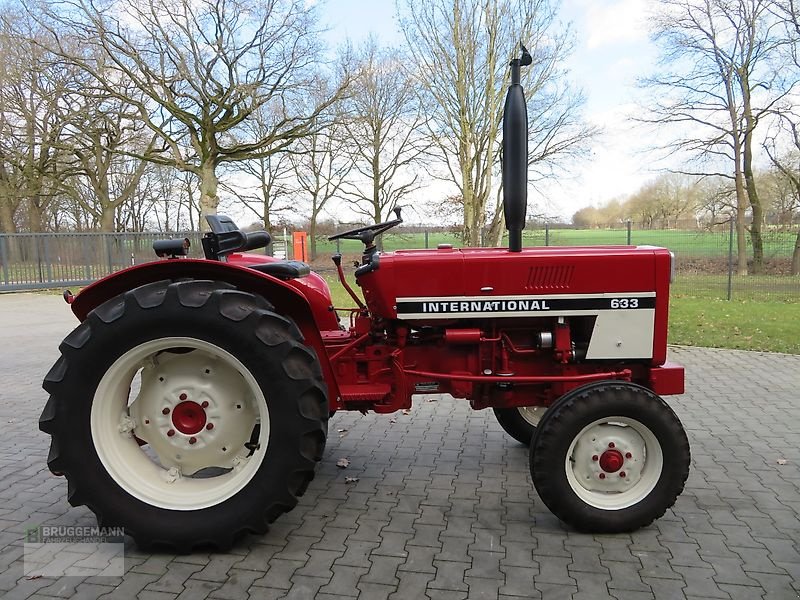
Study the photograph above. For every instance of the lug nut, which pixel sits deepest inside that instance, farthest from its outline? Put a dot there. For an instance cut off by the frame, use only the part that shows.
(171, 432)
(611, 445)
(628, 455)
(595, 458)
(622, 473)
(192, 440)
(204, 404)
(602, 475)
(210, 426)
(182, 396)
(164, 411)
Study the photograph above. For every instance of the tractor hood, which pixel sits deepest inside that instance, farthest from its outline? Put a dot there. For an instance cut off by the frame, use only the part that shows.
(427, 287)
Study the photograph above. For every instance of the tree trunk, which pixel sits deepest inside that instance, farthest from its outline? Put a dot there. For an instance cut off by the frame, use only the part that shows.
(472, 230)
(7, 205)
(796, 256)
(267, 223)
(7, 224)
(495, 235)
(35, 217)
(741, 232)
(312, 236)
(755, 229)
(741, 242)
(752, 192)
(107, 218)
(208, 192)
(473, 223)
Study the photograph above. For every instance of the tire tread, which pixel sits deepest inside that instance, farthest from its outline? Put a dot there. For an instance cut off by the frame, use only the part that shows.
(231, 304)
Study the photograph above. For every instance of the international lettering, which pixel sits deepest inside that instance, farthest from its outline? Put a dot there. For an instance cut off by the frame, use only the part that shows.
(484, 306)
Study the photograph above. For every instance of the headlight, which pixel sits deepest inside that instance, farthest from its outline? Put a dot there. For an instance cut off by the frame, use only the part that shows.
(671, 267)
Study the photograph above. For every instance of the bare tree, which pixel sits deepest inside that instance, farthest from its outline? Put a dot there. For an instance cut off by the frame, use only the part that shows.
(460, 51)
(264, 188)
(716, 202)
(204, 68)
(384, 130)
(787, 164)
(267, 190)
(9, 194)
(788, 12)
(101, 140)
(321, 166)
(716, 86)
(780, 197)
(34, 89)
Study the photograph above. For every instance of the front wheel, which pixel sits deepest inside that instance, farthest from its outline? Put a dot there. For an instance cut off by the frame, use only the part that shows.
(188, 413)
(520, 422)
(610, 457)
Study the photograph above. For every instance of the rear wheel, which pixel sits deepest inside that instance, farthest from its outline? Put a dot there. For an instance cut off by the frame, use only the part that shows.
(189, 413)
(610, 457)
(520, 422)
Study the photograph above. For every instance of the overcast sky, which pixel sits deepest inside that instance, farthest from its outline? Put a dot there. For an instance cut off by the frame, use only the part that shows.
(612, 50)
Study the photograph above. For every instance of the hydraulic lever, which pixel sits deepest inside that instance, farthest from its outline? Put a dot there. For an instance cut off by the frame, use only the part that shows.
(337, 260)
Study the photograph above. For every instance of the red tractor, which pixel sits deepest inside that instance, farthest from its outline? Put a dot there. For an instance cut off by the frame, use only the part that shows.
(191, 404)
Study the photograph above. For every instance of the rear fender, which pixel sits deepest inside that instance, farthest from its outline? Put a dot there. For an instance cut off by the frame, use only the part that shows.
(287, 299)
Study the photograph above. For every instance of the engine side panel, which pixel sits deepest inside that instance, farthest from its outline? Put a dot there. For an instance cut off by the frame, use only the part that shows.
(624, 288)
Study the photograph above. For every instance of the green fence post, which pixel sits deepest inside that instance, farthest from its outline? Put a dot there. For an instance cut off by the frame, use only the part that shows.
(109, 258)
(426, 238)
(4, 258)
(628, 224)
(87, 268)
(38, 256)
(547, 234)
(47, 261)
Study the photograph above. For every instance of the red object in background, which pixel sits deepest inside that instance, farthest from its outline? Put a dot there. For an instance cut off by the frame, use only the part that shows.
(300, 245)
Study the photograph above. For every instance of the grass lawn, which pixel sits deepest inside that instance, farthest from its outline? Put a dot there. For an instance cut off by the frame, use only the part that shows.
(697, 320)
(685, 243)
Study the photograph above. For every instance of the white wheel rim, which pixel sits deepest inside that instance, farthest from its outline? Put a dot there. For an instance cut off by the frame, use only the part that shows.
(532, 414)
(632, 457)
(207, 379)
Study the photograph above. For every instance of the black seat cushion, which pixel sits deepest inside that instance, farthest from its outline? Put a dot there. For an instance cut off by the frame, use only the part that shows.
(286, 269)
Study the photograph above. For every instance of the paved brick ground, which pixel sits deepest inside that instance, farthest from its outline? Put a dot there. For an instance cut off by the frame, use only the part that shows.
(444, 507)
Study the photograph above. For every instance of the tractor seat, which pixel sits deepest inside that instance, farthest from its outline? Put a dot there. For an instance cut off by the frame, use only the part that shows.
(286, 269)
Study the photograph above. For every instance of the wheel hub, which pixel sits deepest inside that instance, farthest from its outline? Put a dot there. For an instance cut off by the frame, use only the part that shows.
(194, 411)
(608, 458)
(611, 461)
(189, 417)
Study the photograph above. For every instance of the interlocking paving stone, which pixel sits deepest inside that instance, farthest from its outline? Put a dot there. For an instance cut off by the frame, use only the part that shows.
(444, 506)
(236, 586)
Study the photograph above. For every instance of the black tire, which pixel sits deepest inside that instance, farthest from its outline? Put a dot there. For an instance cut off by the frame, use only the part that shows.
(515, 424)
(585, 419)
(549, 411)
(285, 373)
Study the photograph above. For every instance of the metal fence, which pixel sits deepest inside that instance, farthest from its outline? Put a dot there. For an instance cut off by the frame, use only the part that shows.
(705, 258)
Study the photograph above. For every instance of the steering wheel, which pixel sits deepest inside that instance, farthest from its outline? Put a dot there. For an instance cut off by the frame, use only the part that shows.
(367, 234)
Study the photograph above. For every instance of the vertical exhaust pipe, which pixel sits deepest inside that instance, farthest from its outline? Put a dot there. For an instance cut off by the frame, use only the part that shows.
(515, 154)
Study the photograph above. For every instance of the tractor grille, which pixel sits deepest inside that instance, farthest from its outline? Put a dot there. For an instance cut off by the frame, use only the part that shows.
(550, 277)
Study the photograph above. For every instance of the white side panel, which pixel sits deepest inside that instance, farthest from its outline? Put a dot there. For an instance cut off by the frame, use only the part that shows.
(622, 334)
